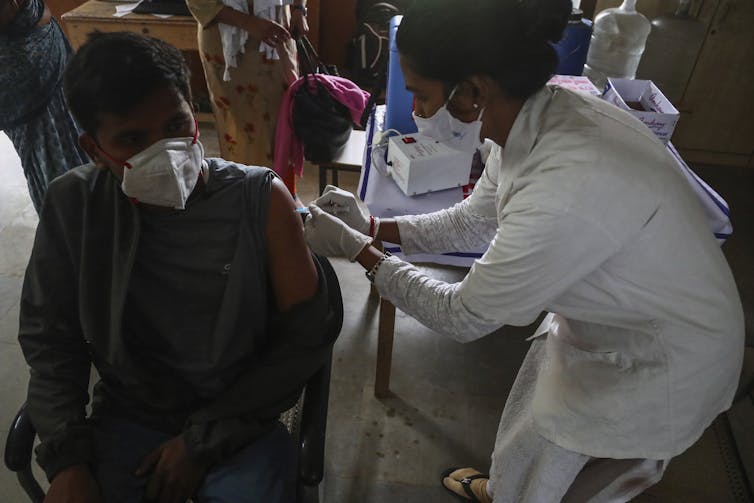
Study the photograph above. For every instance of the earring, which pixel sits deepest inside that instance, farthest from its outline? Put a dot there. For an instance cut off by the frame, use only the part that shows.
(476, 105)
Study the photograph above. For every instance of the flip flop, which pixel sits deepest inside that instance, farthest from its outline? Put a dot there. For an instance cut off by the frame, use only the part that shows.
(465, 483)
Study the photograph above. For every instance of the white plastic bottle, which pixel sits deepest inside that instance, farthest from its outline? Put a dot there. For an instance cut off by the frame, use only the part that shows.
(617, 43)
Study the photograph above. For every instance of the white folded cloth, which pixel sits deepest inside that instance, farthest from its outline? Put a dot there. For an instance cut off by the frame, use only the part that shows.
(234, 39)
(270, 9)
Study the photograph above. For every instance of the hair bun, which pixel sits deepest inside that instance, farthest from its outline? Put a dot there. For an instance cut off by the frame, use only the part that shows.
(544, 20)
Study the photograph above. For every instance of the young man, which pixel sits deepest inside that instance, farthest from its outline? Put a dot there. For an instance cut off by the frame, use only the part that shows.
(185, 281)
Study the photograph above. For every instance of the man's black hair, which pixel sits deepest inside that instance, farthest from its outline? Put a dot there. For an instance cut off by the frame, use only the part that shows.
(115, 72)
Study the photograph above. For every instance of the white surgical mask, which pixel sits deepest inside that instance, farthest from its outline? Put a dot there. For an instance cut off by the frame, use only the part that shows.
(448, 130)
(165, 173)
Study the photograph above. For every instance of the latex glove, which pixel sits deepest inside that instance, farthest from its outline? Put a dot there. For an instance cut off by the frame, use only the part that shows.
(345, 206)
(329, 236)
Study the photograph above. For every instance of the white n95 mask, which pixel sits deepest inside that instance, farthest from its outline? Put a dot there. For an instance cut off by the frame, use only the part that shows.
(448, 130)
(165, 173)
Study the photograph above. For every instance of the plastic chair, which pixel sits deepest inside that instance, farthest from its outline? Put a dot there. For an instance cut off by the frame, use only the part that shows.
(306, 421)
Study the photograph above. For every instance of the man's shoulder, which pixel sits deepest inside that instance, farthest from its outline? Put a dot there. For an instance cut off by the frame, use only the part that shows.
(227, 178)
(83, 173)
(77, 180)
(222, 170)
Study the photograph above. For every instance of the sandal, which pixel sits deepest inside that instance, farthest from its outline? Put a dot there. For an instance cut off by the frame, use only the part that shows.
(465, 484)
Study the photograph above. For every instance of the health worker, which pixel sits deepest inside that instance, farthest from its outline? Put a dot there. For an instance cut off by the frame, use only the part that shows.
(587, 219)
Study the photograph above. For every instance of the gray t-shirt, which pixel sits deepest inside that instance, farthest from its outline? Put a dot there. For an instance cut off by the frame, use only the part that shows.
(177, 285)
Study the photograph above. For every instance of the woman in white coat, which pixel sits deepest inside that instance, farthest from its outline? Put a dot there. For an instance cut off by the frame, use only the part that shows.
(587, 219)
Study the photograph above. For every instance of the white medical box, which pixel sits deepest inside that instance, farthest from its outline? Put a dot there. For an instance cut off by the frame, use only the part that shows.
(575, 83)
(419, 164)
(643, 99)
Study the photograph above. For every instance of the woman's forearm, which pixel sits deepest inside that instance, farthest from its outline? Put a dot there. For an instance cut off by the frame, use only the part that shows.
(368, 257)
(259, 28)
(234, 17)
(388, 231)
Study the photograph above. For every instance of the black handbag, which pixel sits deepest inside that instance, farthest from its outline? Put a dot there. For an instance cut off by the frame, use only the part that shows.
(321, 122)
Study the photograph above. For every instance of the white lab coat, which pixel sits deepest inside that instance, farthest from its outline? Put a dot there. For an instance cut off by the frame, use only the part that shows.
(589, 218)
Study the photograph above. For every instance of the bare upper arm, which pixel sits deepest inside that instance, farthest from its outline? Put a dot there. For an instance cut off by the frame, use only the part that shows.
(292, 271)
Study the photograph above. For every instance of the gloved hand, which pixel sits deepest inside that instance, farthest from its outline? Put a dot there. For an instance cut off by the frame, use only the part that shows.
(329, 236)
(344, 205)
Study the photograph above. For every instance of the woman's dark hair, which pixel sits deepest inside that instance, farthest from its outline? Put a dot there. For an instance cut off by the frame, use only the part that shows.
(114, 72)
(508, 40)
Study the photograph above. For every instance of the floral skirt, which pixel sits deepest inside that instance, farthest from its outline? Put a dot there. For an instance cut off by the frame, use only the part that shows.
(246, 106)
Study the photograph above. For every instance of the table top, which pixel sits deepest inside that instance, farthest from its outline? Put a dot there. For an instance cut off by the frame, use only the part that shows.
(382, 195)
(179, 31)
(384, 199)
(95, 10)
(352, 155)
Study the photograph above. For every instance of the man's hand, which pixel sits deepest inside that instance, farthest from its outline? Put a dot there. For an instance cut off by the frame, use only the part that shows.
(75, 484)
(299, 25)
(267, 31)
(175, 477)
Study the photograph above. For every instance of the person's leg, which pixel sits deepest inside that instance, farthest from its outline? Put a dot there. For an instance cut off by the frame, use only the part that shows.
(286, 72)
(263, 472)
(528, 467)
(121, 447)
(614, 480)
(223, 98)
(48, 147)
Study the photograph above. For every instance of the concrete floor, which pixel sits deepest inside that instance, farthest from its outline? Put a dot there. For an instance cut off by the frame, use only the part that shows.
(446, 397)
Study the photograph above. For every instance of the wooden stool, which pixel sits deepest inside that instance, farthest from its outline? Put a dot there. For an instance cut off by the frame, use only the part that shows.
(349, 159)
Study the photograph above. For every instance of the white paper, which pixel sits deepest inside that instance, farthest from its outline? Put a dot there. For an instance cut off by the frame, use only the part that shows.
(127, 8)
(124, 9)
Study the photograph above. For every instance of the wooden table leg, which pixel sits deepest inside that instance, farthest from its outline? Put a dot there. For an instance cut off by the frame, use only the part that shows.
(322, 177)
(385, 334)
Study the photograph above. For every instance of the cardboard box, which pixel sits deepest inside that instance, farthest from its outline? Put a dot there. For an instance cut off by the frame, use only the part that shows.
(574, 83)
(658, 113)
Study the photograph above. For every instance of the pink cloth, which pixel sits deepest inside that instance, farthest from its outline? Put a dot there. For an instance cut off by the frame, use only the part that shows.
(289, 151)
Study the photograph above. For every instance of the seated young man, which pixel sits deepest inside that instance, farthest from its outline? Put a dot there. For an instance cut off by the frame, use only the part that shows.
(185, 281)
